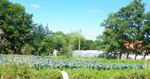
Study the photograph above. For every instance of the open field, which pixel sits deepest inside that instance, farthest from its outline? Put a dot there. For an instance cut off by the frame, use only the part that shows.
(77, 68)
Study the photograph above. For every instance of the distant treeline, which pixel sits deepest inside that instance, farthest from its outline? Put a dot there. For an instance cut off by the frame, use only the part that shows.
(19, 35)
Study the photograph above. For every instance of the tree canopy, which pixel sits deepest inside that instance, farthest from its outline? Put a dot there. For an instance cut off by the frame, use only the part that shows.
(130, 23)
(16, 24)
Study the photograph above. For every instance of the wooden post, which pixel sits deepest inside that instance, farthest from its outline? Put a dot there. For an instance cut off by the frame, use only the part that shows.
(79, 39)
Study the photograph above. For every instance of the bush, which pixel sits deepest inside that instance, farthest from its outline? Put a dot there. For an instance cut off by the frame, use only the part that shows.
(69, 55)
(14, 71)
(58, 54)
(27, 49)
(5, 47)
(66, 51)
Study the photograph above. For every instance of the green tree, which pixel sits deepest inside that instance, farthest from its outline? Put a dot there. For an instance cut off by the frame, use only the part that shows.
(133, 14)
(126, 24)
(59, 39)
(146, 32)
(73, 36)
(16, 24)
(47, 45)
(39, 33)
(114, 29)
(87, 44)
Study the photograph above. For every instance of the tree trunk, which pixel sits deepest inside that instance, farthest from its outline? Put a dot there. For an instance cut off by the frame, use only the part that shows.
(103, 55)
(127, 55)
(120, 55)
(18, 50)
(128, 51)
(135, 56)
(145, 53)
(107, 56)
(114, 55)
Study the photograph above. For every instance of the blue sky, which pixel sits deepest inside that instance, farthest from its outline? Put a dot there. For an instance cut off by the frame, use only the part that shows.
(71, 15)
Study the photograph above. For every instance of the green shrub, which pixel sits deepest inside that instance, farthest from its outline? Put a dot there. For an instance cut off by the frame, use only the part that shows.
(15, 71)
(27, 49)
(65, 50)
(58, 54)
(46, 73)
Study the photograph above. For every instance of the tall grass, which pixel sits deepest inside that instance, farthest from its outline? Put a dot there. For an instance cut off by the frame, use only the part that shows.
(108, 74)
(26, 72)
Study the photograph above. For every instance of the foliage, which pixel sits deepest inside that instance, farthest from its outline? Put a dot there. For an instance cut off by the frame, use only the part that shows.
(5, 47)
(76, 44)
(14, 71)
(16, 24)
(26, 72)
(107, 74)
(97, 44)
(130, 23)
(59, 39)
(39, 33)
(27, 49)
(65, 49)
(87, 44)
(46, 46)
(74, 36)
(59, 54)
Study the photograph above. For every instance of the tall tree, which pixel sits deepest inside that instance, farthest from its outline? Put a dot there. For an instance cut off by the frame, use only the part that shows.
(127, 24)
(114, 29)
(59, 39)
(39, 33)
(47, 45)
(133, 15)
(146, 32)
(16, 24)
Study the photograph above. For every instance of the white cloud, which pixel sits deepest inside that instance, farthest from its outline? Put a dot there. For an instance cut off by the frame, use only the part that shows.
(96, 10)
(35, 5)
